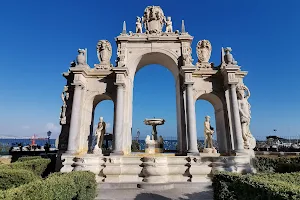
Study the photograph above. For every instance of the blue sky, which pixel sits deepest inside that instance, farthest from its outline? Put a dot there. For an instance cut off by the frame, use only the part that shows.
(39, 39)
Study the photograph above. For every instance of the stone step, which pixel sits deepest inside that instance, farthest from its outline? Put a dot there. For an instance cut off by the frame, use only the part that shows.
(187, 190)
(137, 185)
(117, 185)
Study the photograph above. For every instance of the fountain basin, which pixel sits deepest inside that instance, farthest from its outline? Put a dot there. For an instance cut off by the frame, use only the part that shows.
(154, 121)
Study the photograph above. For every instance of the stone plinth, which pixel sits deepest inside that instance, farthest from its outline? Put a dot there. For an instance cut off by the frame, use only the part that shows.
(153, 147)
(156, 172)
(178, 167)
(239, 164)
(122, 169)
(200, 169)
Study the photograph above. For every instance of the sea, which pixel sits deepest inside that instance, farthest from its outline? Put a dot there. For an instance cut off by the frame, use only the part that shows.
(15, 142)
(7, 143)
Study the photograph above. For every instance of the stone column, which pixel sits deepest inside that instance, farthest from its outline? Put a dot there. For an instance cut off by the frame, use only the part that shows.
(191, 120)
(237, 127)
(75, 120)
(119, 120)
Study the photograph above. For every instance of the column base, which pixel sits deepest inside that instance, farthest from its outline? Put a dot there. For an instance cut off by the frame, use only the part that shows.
(117, 153)
(240, 152)
(70, 152)
(180, 153)
(193, 153)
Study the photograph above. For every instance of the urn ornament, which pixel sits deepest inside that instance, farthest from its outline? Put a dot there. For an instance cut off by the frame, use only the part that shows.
(81, 57)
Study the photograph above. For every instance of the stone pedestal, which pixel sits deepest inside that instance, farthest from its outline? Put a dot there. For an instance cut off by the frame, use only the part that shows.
(200, 169)
(210, 150)
(67, 162)
(178, 167)
(238, 164)
(122, 169)
(153, 147)
(89, 162)
(97, 150)
(155, 171)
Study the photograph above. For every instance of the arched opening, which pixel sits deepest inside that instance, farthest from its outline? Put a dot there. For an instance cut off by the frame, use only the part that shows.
(154, 96)
(103, 106)
(204, 108)
(218, 121)
(169, 60)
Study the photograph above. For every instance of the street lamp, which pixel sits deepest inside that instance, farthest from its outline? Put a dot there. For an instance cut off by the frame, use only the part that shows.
(49, 134)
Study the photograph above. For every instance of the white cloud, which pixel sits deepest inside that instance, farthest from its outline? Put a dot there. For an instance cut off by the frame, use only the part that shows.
(52, 127)
(25, 127)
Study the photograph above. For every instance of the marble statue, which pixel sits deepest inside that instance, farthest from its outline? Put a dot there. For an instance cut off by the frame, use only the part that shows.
(64, 98)
(138, 25)
(243, 95)
(81, 58)
(104, 52)
(228, 58)
(203, 51)
(148, 139)
(153, 19)
(99, 134)
(169, 27)
(187, 56)
(208, 132)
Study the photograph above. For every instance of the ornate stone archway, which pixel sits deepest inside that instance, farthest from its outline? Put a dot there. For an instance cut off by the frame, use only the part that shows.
(171, 49)
(221, 85)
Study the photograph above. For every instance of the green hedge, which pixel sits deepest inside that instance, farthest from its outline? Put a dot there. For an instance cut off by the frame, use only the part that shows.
(230, 186)
(10, 178)
(27, 158)
(38, 166)
(70, 186)
(277, 164)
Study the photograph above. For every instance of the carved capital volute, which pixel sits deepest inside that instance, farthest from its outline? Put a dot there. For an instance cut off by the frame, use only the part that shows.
(229, 73)
(121, 75)
(188, 74)
(78, 84)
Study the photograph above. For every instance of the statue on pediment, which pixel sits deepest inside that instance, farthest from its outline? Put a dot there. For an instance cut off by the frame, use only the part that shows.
(153, 19)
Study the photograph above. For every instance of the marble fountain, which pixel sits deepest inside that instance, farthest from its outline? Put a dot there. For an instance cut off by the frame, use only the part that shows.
(154, 144)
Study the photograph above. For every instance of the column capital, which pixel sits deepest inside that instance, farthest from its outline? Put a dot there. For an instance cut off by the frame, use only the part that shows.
(188, 74)
(120, 84)
(188, 83)
(121, 70)
(78, 84)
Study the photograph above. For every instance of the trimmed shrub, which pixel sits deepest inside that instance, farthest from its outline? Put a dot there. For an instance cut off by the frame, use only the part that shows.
(38, 166)
(256, 187)
(85, 184)
(10, 178)
(58, 186)
(52, 188)
(287, 167)
(277, 164)
(27, 158)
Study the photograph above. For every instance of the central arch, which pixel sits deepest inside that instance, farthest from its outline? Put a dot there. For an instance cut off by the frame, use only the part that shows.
(169, 60)
(164, 58)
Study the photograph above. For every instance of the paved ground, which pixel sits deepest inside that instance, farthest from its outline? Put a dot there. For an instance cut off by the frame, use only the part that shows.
(202, 193)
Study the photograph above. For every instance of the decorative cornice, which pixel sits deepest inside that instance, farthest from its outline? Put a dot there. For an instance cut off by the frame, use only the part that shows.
(121, 70)
(136, 37)
(91, 72)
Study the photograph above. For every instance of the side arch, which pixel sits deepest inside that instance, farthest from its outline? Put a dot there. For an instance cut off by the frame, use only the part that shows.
(220, 118)
(93, 98)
